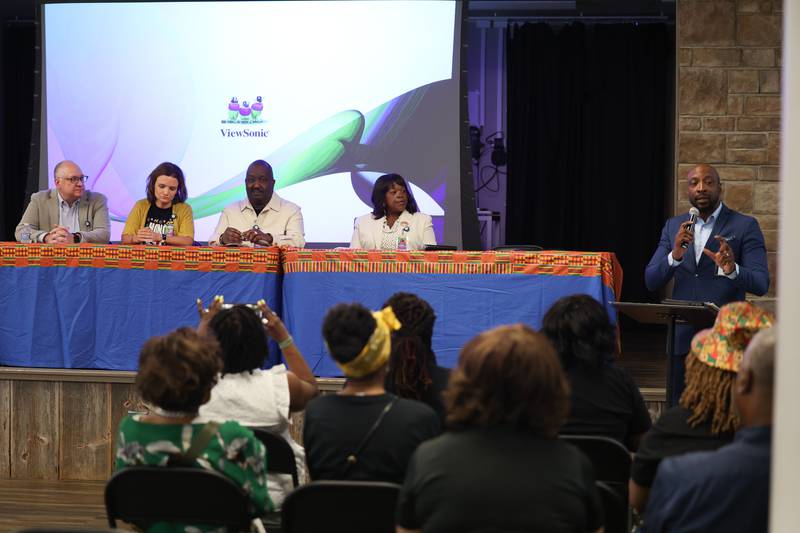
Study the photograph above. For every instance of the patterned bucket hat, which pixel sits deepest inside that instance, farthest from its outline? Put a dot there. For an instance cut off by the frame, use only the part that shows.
(723, 346)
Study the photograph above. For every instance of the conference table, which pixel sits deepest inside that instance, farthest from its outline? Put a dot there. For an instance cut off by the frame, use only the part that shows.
(93, 306)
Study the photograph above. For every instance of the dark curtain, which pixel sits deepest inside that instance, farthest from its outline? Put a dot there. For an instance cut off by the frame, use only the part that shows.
(590, 139)
(17, 65)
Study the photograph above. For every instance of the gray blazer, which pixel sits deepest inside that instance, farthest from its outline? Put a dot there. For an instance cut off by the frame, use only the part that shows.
(42, 215)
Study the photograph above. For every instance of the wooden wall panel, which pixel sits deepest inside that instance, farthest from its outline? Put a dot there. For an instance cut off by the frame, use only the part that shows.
(35, 429)
(85, 431)
(123, 400)
(5, 429)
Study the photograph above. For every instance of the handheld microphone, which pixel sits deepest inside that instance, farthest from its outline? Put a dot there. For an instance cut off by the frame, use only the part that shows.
(693, 214)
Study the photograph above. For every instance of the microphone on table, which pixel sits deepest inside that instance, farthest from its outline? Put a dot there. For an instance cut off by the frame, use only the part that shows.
(693, 214)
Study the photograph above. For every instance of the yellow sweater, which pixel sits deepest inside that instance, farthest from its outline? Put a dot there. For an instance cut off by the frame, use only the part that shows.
(184, 219)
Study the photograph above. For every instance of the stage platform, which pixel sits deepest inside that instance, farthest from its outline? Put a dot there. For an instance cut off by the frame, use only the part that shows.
(61, 424)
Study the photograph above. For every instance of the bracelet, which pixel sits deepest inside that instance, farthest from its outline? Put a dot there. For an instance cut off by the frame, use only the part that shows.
(285, 343)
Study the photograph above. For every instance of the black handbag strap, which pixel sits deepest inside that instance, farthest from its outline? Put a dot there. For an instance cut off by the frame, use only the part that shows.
(352, 459)
(199, 443)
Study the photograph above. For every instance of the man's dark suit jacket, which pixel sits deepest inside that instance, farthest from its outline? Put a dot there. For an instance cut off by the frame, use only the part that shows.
(699, 281)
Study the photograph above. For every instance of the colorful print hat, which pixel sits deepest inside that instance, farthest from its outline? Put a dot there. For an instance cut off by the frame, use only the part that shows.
(723, 346)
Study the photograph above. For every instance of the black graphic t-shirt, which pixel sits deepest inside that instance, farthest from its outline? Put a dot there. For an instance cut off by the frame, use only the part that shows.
(160, 220)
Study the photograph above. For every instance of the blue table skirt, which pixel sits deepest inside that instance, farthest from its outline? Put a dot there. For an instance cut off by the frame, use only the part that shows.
(464, 304)
(59, 317)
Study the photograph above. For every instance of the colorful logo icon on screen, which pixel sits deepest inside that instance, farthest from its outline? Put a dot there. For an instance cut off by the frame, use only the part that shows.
(244, 113)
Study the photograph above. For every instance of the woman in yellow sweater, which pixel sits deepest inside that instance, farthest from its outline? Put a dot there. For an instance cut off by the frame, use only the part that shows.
(163, 217)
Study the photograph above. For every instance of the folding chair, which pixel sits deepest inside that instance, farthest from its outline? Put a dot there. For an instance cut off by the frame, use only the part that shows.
(328, 507)
(144, 495)
(280, 456)
(611, 462)
(614, 508)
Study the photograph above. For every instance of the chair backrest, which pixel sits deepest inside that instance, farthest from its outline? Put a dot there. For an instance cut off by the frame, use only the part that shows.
(518, 248)
(341, 507)
(610, 459)
(280, 456)
(144, 495)
(614, 508)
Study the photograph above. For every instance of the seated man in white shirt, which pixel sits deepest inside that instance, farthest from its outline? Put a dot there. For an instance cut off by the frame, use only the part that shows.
(264, 218)
(69, 213)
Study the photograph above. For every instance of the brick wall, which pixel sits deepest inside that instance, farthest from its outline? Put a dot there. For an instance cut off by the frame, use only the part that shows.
(729, 57)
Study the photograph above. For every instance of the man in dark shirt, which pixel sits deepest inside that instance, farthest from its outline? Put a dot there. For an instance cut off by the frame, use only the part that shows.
(363, 433)
(726, 490)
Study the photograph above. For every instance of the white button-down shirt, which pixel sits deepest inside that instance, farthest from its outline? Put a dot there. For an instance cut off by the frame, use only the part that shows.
(280, 218)
(68, 215)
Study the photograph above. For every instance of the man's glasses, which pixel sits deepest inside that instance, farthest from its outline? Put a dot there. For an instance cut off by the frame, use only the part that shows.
(75, 179)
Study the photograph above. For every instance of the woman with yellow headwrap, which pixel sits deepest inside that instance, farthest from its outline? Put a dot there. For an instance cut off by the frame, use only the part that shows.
(362, 432)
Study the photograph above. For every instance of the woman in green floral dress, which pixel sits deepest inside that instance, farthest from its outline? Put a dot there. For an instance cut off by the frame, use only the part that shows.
(176, 374)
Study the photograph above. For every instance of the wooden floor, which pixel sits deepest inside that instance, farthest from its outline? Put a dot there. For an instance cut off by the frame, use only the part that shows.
(68, 504)
(643, 356)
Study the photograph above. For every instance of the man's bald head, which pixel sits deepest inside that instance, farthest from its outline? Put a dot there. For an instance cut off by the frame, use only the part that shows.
(759, 358)
(755, 380)
(702, 170)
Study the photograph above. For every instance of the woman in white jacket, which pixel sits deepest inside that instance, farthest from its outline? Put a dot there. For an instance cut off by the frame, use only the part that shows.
(395, 222)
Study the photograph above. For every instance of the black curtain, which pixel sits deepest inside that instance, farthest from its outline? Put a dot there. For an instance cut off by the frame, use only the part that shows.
(590, 139)
(17, 65)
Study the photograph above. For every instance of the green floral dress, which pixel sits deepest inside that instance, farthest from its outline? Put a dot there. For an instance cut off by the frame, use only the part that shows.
(233, 451)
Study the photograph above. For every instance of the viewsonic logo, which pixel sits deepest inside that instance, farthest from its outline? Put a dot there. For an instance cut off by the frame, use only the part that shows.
(244, 113)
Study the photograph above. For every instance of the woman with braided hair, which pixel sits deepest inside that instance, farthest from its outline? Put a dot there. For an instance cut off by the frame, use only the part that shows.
(413, 372)
(706, 418)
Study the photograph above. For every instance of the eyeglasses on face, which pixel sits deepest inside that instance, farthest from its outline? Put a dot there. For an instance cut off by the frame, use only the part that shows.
(75, 179)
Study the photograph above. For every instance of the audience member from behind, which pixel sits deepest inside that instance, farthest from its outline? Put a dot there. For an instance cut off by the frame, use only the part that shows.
(706, 418)
(501, 465)
(413, 372)
(67, 214)
(362, 432)
(175, 377)
(163, 217)
(605, 401)
(251, 395)
(728, 489)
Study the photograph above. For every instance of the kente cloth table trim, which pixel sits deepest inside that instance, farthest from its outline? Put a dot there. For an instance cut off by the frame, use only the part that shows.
(557, 263)
(140, 257)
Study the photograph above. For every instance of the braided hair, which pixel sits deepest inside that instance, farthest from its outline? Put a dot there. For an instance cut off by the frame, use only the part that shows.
(412, 362)
(708, 396)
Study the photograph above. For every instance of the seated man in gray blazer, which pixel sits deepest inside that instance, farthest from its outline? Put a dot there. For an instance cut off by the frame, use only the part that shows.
(68, 213)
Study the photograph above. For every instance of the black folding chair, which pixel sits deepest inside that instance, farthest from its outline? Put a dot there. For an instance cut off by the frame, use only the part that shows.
(518, 248)
(614, 508)
(611, 462)
(328, 507)
(280, 456)
(144, 495)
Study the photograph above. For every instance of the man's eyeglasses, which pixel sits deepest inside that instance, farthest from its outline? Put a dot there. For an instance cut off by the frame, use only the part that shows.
(75, 179)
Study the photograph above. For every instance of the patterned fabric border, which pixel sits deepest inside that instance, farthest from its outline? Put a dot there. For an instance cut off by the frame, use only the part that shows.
(137, 257)
(553, 263)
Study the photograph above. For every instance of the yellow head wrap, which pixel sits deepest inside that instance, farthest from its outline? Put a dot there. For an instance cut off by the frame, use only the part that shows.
(376, 352)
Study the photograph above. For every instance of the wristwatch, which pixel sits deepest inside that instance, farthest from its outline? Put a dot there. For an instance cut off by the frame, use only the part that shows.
(163, 239)
(76, 237)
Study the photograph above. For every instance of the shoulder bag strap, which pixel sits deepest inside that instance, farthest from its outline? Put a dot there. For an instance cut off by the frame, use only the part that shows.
(352, 459)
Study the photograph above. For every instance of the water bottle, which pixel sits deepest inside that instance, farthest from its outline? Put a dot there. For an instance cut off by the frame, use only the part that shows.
(25, 234)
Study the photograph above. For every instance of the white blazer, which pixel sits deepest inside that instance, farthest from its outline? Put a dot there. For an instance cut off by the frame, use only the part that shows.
(368, 232)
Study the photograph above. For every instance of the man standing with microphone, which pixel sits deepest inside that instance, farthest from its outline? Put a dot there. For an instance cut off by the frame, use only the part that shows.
(718, 258)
